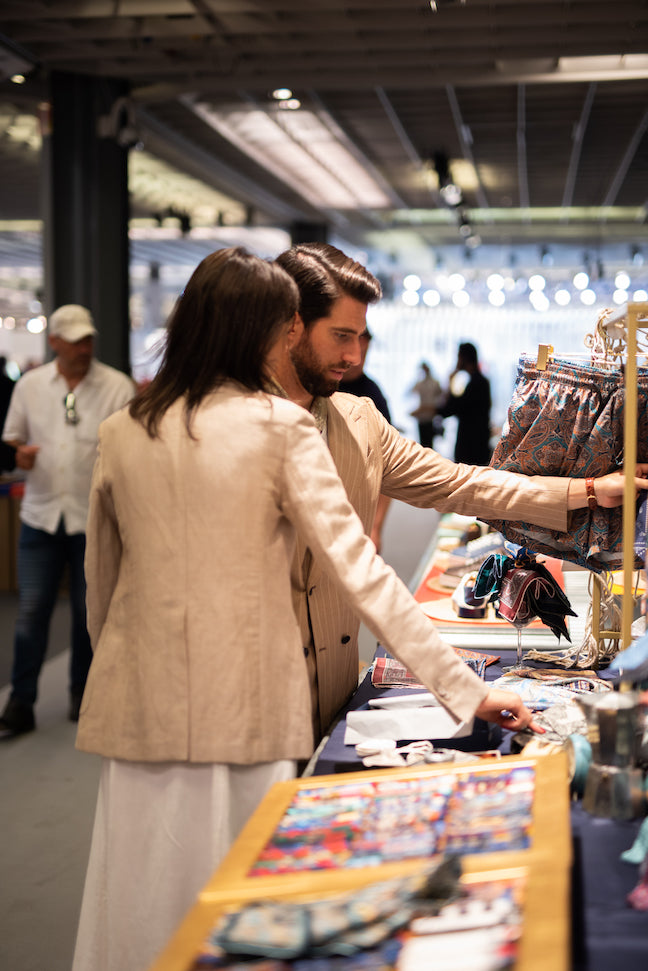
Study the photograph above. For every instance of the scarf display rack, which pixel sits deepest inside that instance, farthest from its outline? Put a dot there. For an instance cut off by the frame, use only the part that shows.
(618, 340)
(623, 337)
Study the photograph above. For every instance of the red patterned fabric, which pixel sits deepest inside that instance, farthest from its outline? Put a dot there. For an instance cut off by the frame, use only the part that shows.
(389, 673)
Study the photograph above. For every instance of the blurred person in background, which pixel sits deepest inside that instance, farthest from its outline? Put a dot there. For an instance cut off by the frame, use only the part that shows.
(470, 401)
(7, 452)
(52, 424)
(430, 395)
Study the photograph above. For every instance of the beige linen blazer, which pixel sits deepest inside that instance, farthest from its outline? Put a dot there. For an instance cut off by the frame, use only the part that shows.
(197, 652)
(372, 457)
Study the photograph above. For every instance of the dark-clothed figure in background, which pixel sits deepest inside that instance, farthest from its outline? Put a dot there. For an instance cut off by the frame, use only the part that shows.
(471, 407)
(356, 382)
(7, 452)
(52, 423)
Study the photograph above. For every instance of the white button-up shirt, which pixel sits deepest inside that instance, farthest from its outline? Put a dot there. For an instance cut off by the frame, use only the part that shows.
(59, 483)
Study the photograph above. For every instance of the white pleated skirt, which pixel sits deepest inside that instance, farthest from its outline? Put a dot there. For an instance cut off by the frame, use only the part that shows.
(160, 831)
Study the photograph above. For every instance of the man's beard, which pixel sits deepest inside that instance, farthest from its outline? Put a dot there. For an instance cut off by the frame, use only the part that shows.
(310, 372)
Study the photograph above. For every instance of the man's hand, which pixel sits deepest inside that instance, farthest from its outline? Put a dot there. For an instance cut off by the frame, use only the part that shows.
(609, 488)
(26, 456)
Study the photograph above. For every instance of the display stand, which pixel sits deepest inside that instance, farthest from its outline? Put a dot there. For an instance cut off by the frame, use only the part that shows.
(621, 340)
(544, 865)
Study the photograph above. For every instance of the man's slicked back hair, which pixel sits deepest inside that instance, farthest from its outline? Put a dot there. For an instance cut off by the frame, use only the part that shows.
(323, 274)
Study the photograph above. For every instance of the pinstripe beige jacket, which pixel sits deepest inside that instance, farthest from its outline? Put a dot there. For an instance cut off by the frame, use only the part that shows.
(371, 457)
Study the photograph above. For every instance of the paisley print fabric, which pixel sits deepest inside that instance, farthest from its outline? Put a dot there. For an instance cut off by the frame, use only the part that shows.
(568, 420)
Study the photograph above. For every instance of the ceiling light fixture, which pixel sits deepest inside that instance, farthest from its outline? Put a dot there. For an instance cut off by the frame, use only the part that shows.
(497, 298)
(291, 104)
(606, 67)
(300, 150)
(431, 298)
(435, 4)
(410, 298)
(450, 193)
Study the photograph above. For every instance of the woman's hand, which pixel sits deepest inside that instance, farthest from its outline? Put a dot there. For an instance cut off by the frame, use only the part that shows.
(508, 710)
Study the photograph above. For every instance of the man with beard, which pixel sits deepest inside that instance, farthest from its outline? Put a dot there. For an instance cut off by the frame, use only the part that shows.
(372, 458)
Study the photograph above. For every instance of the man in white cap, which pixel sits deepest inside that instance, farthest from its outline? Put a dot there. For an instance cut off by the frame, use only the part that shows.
(52, 422)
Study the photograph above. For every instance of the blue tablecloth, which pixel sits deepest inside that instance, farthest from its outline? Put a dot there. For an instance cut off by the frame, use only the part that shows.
(607, 934)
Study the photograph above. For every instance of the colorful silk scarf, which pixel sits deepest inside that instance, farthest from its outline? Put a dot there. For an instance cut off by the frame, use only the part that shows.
(524, 589)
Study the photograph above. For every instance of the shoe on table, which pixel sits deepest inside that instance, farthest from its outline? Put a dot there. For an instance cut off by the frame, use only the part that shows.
(16, 719)
(75, 705)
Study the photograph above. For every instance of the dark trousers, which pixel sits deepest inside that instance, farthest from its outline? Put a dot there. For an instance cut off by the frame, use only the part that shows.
(42, 558)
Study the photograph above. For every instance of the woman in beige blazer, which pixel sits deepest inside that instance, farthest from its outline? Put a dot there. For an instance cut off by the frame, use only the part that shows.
(198, 694)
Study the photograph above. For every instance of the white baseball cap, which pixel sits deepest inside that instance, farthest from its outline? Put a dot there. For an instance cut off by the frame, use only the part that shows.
(71, 323)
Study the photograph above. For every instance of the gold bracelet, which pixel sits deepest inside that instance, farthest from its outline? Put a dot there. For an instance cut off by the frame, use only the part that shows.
(591, 495)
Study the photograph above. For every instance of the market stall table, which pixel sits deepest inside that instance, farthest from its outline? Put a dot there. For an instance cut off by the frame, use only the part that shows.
(598, 932)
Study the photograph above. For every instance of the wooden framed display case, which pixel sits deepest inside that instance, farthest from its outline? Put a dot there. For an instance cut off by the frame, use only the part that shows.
(543, 863)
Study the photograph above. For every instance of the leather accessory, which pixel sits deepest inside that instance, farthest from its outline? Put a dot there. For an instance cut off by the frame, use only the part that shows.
(591, 495)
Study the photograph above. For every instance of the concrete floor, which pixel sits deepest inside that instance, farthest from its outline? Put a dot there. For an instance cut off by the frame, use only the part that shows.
(49, 789)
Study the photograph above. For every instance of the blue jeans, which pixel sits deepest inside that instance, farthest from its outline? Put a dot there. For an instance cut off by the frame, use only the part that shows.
(42, 557)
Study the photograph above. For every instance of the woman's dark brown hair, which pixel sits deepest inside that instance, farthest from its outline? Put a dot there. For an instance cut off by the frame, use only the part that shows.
(222, 327)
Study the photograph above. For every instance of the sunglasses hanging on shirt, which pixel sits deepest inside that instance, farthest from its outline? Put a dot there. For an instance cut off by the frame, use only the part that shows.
(71, 417)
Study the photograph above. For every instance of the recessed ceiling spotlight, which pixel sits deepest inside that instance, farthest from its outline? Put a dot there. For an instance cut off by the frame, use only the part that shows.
(497, 298)
(431, 298)
(282, 94)
(292, 104)
(538, 300)
(410, 298)
(451, 194)
(495, 281)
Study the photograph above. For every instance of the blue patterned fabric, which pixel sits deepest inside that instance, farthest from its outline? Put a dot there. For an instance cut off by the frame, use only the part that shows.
(539, 695)
(568, 420)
